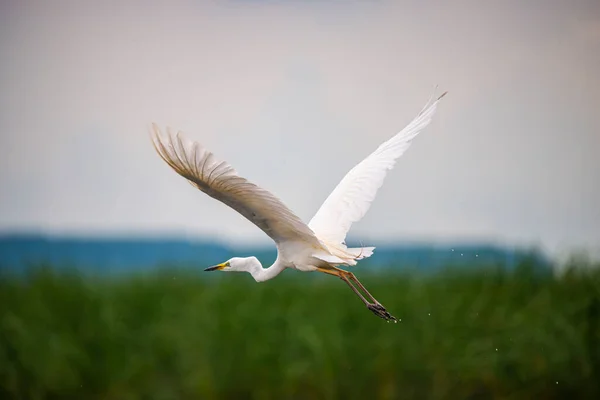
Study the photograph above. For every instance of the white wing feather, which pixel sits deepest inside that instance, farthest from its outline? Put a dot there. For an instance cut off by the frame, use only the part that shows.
(219, 180)
(352, 197)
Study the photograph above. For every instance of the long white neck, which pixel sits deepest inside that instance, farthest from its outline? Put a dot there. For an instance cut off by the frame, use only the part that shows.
(260, 274)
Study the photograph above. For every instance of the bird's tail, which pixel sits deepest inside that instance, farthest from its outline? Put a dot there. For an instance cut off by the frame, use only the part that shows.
(360, 252)
(352, 254)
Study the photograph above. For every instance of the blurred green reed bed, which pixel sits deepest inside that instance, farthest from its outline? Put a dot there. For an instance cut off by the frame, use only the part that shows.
(179, 334)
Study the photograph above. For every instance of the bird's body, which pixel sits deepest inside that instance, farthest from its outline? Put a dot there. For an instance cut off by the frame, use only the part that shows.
(316, 246)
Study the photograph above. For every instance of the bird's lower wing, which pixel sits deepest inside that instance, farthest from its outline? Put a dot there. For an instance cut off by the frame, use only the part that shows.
(352, 197)
(219, 180)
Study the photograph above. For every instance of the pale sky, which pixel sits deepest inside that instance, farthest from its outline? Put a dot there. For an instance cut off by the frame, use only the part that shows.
(293, 94)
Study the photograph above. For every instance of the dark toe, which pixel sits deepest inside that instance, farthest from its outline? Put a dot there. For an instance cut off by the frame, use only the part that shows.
(381, 312)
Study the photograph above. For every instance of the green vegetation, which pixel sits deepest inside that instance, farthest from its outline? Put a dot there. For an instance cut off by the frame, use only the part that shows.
(184, 335)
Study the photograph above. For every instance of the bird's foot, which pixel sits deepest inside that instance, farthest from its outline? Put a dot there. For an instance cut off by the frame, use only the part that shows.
(381, 312)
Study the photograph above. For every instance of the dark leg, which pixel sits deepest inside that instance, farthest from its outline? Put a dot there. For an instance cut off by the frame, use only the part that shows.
(339, 274)
(375, 306)
(354, 279)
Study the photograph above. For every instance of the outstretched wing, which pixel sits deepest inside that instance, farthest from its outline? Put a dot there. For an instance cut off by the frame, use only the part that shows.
(352, 197)
(219, 180)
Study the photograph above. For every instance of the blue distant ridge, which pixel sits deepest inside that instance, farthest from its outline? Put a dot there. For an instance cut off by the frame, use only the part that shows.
(128, 254)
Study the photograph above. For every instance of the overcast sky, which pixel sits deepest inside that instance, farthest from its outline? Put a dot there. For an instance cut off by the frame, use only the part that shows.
(295, 93)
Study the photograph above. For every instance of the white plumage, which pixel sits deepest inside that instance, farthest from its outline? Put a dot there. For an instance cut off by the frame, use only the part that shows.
(316, 246)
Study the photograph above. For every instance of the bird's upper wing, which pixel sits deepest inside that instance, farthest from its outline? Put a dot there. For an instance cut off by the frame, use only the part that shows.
(352, 197)
(219, 180)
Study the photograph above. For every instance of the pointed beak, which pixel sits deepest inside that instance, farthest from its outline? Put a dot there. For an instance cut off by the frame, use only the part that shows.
(217, 267)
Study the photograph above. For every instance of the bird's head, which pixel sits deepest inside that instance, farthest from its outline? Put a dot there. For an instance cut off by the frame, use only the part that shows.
(236, 264)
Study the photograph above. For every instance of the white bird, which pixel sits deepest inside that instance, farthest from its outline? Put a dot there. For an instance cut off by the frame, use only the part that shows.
(316, 246)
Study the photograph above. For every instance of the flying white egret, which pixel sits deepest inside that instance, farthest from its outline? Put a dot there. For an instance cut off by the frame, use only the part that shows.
(316, 246)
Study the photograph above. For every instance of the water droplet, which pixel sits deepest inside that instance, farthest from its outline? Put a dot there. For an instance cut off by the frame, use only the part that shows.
(496, 349)
(476, 255)
(428, 313)
(461, 254)
(395, 321)
(557, 382)
(452, 249)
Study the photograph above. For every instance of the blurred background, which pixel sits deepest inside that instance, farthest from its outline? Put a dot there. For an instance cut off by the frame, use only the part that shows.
(487, 231)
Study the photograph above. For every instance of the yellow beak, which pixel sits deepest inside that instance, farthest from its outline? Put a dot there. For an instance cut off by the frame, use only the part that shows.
(217, 267)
